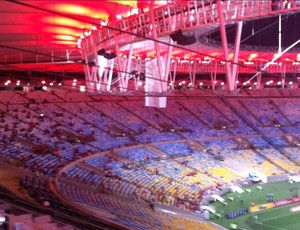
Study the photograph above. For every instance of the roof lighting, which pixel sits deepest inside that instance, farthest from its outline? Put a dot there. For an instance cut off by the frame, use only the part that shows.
(2, 218)
(87, 33)
(103, 23)
(134, 11)
(82, 88)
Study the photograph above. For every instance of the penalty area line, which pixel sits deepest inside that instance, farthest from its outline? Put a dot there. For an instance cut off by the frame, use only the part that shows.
(270, 226)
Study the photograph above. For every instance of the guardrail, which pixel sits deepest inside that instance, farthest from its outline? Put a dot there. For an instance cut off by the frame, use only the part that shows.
(185, 15)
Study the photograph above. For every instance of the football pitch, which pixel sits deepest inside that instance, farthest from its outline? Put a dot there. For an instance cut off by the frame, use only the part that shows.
(286, 217)
(277, 219)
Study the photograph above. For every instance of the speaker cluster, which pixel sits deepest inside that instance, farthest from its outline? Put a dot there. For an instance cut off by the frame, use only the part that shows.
(183, 39)
(106, 55)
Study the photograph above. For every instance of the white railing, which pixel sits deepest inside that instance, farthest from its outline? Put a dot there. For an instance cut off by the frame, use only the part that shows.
(186, 67)
(183, 15)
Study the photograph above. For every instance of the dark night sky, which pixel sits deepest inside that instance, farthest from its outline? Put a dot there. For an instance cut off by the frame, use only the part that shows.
(264, 32)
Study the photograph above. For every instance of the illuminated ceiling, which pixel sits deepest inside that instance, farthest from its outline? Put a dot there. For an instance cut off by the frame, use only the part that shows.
(45, 32)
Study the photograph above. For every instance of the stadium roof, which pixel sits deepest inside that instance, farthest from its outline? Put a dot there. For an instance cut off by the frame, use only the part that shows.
(43, 35)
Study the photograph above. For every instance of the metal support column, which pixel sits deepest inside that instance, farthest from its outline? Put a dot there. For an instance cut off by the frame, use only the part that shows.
(120, 71)
(229, 78)
(237, 43)
(128, 66)
(157, 49)
(88, 77)
(168, 64)
(213, 75)
(101, 66)
(279, 35)
(192, 74)
(259, 77)
(283, 74)
(110, 74)
(173, 76)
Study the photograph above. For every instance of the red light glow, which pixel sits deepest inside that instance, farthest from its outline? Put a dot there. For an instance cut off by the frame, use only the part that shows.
(252, 56)
(72, 43)
(66, 37)
(275, 56)
(63, 21)
(64, 30)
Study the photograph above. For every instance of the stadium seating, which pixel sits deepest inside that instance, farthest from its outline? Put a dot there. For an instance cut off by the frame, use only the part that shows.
(172, 155)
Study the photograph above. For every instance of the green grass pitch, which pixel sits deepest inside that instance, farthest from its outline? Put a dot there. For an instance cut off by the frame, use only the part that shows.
(280, 218)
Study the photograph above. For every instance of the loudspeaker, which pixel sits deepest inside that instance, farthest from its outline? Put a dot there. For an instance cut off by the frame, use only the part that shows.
(91, 63)
(183, 39)
(177, 35)
(109, 55)
(187, 40)
(101, 52)
(276, 4)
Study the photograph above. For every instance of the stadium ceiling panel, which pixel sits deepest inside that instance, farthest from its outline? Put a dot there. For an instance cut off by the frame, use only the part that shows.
(47, 31)
(36, 33)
